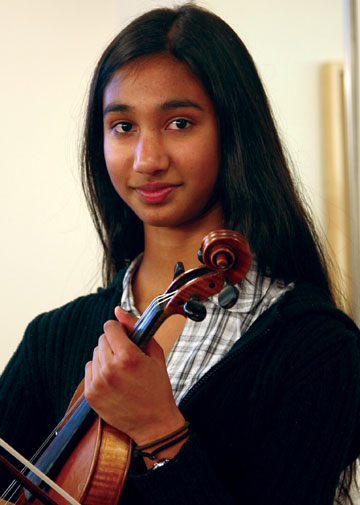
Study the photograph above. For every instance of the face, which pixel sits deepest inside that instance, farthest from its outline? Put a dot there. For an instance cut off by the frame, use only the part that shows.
(161, 141)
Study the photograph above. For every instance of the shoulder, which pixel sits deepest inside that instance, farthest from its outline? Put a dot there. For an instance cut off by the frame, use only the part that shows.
(306, 305)
(304, 333)
(101, 298)
(306, 348)
(68, 334)
(58, 343)
(83, 314)
(310, 335)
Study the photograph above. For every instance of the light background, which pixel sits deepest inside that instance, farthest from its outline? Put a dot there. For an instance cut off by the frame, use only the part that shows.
(49, 253)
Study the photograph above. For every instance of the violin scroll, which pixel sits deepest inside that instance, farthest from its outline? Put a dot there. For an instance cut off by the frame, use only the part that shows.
(226, 257)
(226, 250)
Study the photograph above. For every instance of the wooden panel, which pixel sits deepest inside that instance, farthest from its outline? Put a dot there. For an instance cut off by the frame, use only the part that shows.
(336, 181)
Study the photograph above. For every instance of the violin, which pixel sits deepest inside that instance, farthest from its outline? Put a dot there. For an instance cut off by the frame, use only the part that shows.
(89, 459)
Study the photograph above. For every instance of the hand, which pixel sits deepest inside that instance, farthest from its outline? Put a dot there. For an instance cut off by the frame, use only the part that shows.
(128, 388)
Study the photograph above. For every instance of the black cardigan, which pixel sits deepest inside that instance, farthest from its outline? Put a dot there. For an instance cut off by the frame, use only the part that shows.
(274, 422)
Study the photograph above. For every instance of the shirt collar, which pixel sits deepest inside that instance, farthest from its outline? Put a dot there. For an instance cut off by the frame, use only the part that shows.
(127, 298)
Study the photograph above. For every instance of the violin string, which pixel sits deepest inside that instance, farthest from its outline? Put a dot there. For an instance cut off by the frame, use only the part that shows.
(148, 313)
(13, 489)
(37, 472)
(4, 497)
(159, 301)
(7, 496)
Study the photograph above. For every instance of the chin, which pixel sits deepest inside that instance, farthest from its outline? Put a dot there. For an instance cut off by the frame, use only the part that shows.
(176, 218)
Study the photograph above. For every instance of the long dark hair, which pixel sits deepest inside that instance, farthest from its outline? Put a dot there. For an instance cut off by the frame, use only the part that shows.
(256, 189)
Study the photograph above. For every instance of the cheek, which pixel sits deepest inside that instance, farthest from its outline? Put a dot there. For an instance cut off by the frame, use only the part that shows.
(116, 175)
(208, 149)
(109, 154)
(113, 173)
(115, 162)
(207, 163)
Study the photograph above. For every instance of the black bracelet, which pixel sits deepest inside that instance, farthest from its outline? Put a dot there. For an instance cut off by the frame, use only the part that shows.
(139, 450)
(152, 455)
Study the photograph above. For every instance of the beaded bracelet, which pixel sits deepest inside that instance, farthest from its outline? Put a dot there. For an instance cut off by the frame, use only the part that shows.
(139, 449)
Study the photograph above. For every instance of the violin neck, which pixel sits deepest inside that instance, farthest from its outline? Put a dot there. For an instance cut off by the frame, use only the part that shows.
(148, 323)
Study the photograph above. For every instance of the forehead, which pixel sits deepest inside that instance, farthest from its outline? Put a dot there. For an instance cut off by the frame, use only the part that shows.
(156, 77)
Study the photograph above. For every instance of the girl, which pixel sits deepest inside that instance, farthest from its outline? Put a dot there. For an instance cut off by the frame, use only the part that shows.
(259, 403)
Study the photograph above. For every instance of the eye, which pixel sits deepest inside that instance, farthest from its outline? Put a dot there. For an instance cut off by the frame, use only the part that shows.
(122, 127)
(179, 124)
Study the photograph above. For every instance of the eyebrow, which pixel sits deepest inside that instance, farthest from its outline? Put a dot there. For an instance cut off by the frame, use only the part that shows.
(169, 105)
(175, 104)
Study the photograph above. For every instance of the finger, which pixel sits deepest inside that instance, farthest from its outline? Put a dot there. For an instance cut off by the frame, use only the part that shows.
(94, 365)
(116, 336)
(88, 376)
(105, 351)
(109, 361)
(154, 350)
(119, 341)
(91, 381)
(125, 318)
(128, 321)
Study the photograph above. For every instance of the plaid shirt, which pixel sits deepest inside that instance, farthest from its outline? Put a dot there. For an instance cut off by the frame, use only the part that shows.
(202, 344)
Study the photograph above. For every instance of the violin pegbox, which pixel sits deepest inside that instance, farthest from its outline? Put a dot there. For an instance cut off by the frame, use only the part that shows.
(226, 257)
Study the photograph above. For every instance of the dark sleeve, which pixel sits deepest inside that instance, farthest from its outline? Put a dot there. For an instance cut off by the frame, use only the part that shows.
(25, 408)
(304, 430)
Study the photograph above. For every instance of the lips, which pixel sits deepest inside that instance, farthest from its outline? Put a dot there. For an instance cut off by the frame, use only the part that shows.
(155, 193)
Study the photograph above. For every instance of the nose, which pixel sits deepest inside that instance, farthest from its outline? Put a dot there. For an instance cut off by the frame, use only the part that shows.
(150, 154)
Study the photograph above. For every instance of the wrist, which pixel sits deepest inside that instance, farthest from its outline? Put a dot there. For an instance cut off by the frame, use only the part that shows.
(156, 431)
(165, 456)
(161, 450)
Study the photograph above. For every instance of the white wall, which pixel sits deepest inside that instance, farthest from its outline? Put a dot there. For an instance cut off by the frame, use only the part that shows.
(47, 52)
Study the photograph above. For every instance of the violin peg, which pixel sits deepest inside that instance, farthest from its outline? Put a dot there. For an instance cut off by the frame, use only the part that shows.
(200, 256)
(194, 309)
(178, 269)
(228, 295)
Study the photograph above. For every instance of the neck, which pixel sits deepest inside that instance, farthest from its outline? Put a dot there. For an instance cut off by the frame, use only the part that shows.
(164, 247)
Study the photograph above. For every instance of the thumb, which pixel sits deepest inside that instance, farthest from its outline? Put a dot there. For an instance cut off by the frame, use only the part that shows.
(128, 320)
(125, 318)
